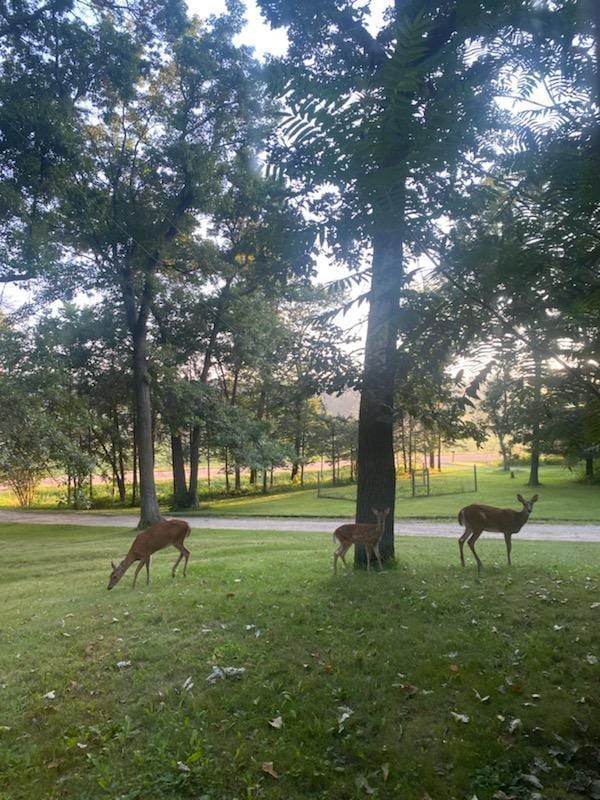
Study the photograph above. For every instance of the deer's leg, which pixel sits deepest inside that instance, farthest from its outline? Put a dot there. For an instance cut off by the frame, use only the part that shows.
(147, 570)
(176, 564)
(508, 540)
(341, 552)
(368, 552)
(139, 566)
(183, 553)
(461, 544)
(378, 554)
(471, 543)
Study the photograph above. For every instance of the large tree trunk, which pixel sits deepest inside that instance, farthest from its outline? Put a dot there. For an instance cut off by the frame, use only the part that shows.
(376, 469)
(180, 490)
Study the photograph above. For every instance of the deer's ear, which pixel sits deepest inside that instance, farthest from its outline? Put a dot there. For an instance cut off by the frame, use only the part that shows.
(535, 498)
(386, 511)
(374, 511)
(520, 499)
(112, 563)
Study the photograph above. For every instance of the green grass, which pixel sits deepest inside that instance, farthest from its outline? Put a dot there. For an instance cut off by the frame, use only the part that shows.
(401, 651)
(561, 498)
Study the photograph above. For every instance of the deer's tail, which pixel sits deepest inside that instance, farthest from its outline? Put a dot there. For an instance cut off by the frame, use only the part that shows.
(460, 517)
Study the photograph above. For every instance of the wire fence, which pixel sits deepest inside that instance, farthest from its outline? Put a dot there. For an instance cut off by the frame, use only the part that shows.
(410, 485)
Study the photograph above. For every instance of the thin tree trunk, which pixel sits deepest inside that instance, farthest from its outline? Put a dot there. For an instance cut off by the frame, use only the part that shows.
(138, 326)
(193, 499)
(589, 468)
(180, 489)
(149, 510)
(534, 476)
(204, 375)
(376, 473)
(403, 442)
(134, 485)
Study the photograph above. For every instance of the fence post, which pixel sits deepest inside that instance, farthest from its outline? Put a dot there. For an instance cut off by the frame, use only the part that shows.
(475, 477)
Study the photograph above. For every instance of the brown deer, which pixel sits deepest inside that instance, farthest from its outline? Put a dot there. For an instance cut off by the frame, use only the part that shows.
(154, 538)
(477, 518)
(360, 533)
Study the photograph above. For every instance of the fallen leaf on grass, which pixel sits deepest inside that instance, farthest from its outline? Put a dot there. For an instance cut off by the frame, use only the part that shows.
(188, 684)
(460, 717)
(267, 767)
(514, 725)
(362, 783)
(220, 673)
(230, 594)
(533, 780)
(183, 767)
(454, 668)
(481, 699)
(385, 769)
(51, 695)
(591, 659)
(123, 664)
(276, 722)
(344, 716)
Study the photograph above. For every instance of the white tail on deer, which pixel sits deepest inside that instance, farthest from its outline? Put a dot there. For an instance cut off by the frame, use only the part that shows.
(477, 518)
(156, 537)
(360, 533)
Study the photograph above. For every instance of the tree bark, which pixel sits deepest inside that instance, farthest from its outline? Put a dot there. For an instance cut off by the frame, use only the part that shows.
(195, 435)
(180, 489)
(193, 500)
(534, 476)
(138, 327)
(376, 470)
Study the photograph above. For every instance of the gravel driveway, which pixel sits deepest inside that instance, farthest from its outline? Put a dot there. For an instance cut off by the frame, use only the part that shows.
(534, 531)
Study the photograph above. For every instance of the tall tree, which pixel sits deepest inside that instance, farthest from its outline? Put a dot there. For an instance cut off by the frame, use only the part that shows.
(164, 127)
(386, 119)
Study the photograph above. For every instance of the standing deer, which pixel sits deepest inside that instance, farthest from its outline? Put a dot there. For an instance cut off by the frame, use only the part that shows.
(477, 518)
(360, 533)
(154, 538)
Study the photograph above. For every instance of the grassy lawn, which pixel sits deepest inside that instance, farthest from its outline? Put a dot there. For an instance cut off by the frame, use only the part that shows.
(421, 682)
(561, 498)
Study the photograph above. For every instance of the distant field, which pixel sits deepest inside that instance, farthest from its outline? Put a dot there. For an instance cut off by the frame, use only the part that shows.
(561, 498)
(421, 682)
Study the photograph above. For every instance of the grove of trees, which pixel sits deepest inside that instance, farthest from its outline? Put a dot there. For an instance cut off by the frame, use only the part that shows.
(164, 196)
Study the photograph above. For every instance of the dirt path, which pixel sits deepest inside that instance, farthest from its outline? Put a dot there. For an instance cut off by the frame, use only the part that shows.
(557, 531)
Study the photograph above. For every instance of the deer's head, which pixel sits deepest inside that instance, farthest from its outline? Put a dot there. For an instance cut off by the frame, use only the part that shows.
(116, 574)
(380, 514)
(527, 504)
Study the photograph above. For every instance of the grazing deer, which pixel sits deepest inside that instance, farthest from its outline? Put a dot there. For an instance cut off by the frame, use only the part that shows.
(360, 533)
(477, 518)
(154, 538)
